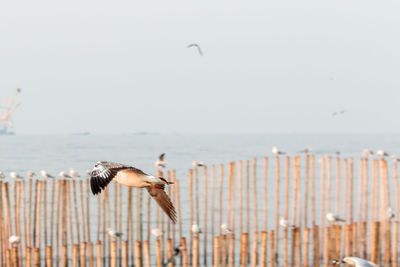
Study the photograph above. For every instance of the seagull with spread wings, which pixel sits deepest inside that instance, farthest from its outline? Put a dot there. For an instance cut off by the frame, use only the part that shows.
(197, 46)
(161, 163)
(104, 172)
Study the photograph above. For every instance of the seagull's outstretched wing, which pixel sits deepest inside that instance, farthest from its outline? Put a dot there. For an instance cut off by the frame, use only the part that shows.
(163, 201)
(198, 48)
(104, 171)
(161, 157)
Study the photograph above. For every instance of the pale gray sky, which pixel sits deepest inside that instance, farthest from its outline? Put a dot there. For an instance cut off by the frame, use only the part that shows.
(123, 66)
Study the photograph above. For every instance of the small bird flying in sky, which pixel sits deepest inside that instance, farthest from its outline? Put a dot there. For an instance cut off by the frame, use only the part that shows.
(161, 163)
(198, 48)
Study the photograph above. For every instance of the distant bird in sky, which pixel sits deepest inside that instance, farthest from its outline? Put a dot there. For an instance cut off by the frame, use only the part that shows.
(104, 172)
(198, 163)
(45, 174)
(18, 90)
(198, 48)
(157, 232)
(161, 163)
(390, 214)
(196, 229)
(64, 175)
(367, 153)
(306, 150)
(333, 218)
(226, 229)
(15, 175)
(73, 173)
(341, 112)
(382, 153)
(30, 174)
(14, 240)
(285, 223)
(276, 151)
(114, 234)
(2, 175)
(354, 261)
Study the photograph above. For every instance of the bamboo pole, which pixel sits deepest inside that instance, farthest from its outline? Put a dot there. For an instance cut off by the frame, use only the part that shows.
(221, 177)
(264, 195)
(306, 245)
(138, 253)
(263, 254)
(125, 254)
(98, 253)
(75, 254)
(313, 200)
(316, 246)
(286, 214)
(351, 188)
(82, 254)
(277, 195)
(184, 252)
(146, 248)
(216, 251)
(337, 187)
(272, 259)
(306, 189)
(243, 249)
(212, 208)
(255, 241)
(191, 212)
(248, 197)
(195, 251)
(205, 208)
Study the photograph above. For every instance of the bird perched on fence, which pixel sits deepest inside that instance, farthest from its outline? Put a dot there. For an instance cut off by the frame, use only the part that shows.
(161, 163)
(73, 173)
(354, 261)
(157, 232)
(30, 174)
(198, 48)
(306, 150)
(114, 234)
(382, 153)
(285, 223)
(367, 153)
(390, 214)
(104, 172)
(64, 175)
(198, 163)
(276, 151)
(15, 175)
(14, 240)
(226, 229)
(333, 218)
(45, 174)
(196, 229)
(395, 159)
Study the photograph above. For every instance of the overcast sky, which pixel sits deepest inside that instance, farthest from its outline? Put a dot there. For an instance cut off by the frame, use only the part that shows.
(268, 66)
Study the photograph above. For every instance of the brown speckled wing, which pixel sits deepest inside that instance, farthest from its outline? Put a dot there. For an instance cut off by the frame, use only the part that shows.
(163, 201)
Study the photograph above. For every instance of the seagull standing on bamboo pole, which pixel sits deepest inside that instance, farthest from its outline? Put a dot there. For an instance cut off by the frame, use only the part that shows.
(198, 48)
(73, 173)
(285, 223)
(277, 152)
(306, 150)
(367, 153)
(354, 261)
(64, 175)
(395, 159)
(226, 229)
(196, 229)
(157, 232)
(104, 172)
(390, 214)
(333, 218)
(15, 175)
(30, 174)
(45, 174)
(114, 234)
(14, 240)
(198, 163)
(382, 153)
(161, 163)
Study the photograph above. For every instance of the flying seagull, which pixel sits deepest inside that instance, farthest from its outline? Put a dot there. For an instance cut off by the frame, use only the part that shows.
(341, 112)
(104, 171)
(354, 261)
(161, 163)
(198, 48)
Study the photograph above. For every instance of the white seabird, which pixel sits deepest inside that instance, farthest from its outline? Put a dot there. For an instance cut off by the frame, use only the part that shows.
(285, 223)
(333, 218)
(276, 151)
(114, 234)
(382, 153)
(161, 163)
(14, 240)
(196, 229)
(157, 232)
(198, 163)
(73, 173)
(15, 175)
(64, 175)
(367, 153)
(226, 229)
(45, 174)
(30, 174)
(354, 261)
(390, 214)
(395, 159)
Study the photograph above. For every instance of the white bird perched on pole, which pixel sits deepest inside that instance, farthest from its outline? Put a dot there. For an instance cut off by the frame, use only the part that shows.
(14, 240)
(395, 159)
(196, 229)
(198, 163)
(15, 175)
(161, 163)
(306, 150)
(382, 153)
(45, 174)
(276, 151)
(367, 153)
(226, 229)
(333, 218)
(285, 223)
(73, 173)
(198, 48)
(64, 175)
(157, 232)
(354, 261)
(390, 214)
(2, 175)
(114, 234)
(30, 174)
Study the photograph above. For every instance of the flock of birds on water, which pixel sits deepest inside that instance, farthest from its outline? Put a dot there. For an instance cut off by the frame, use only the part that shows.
(104, 172)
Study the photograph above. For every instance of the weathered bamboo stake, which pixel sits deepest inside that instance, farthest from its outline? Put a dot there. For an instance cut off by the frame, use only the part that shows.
(6, 222)
(191, 213)
(360, 200)
(195, 251)
(53, 192)
(36, 257)
(322, 196)
(75, 201)
(212, 209)
(338, 241)
(113, 254)
(296, 193)
(345, 189)
(69, 211)
(313, 207)
(17, 194)
(196, 191)
(205, 208)
(129, 220)
(158, 253)
(222, 242)
(105, 225)
(82, 208)
(216, 251)
(328, 185)
(184, 252)
(174, 201)
(170, 252)
(177, 187)
(125, 254)
(298, 247)
(386, 220)
(64, 256)
(247, 199)
(255, 241)
(328, 256)
(337, 186)
(49, 256)
(375, 191)
(263, 254)
(233, 218)
(375, 243)
(397, 190)
(138, 253)
(272, 247)
(23, 217)
(264, 196)
(139, 225)
(306, 245)
(3, 242)
(306, 189)
(87, 222)
(277, 195)
(75, 248)
(131, 236)
(351, 188)
(316, 247)
(39, 197)
(57, 231)
(286, 214)
(243, 250)
(82, 254)
(395, 243)
(14, 256)
(98, 253)
(64, 252)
